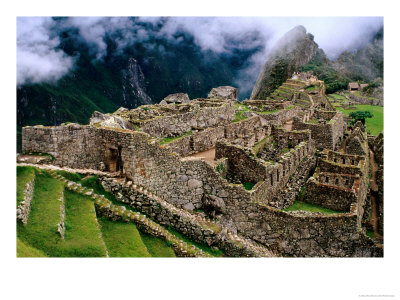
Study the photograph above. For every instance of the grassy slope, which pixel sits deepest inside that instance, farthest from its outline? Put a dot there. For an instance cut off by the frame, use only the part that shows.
(24, 175)
(123, 239)
(374, 124)
(41, 229)
(82, 235)
(157, 247)
(297, 205)
(25, 250)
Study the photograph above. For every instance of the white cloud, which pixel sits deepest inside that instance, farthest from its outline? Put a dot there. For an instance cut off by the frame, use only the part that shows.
(38, 60)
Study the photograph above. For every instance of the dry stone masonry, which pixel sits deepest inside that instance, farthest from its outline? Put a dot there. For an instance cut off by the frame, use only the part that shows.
(269, 153)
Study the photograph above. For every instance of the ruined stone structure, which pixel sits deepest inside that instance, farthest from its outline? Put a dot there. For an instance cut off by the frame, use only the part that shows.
(270, 144)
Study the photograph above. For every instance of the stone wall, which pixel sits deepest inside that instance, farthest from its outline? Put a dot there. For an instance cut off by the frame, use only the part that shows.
(278, 174)
(200, 118)
(242, 163)
(247, 132)
(330, 195)
(327, 135)
(324, 114)
(282, 115)
(191, 184)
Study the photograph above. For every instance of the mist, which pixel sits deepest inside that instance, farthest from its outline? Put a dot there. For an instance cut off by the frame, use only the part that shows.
(40, 59)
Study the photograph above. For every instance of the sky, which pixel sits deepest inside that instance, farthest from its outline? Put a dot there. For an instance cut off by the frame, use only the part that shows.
(39, 59)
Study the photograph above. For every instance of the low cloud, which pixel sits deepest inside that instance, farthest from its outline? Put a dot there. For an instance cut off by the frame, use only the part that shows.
(38, 59)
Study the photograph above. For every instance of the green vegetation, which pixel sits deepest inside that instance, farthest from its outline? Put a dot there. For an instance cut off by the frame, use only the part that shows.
(370, 234)
(299, 205)
(82, 234)
(157, 247)
(41, 229)
(360, 116)
(374, 125)
(312, 88)
(242, 106)
(248, 185)
(221, 168)
(334, 81)
(290, 107)
(25, 250)
(260, 145)
(122, 239)
(239, 116)
(285, 150)
(312, 121)
(269, 111)
(174, 138)
(210, 250)
(24, 175)
(70, 176)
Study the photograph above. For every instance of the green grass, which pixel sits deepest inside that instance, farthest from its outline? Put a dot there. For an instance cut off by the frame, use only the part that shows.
(248, 185)
(157, 247)
(70, 176)
(371, 234)
(244, 107)
(25, 250)
(312, 88)
(24, 175)
(122, 239)
(298, 205)
(285, 150)
(269, 111)
(239, 116)
(375, 124)
(204, 247)
(312, 121)
(41, 229)
(82, 235)
(174, 138)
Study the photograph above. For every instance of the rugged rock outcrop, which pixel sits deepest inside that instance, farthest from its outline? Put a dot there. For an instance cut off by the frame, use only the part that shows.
(176, 98)
(224, 92)
(113, 121)
(295, 49)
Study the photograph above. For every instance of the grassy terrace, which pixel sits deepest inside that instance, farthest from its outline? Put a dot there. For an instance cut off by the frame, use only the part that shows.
(156, 247)
(25, 250)
(239, 116)
(24, 175)
(269, 111)
(375, 124)
(299, 205)
(122, 239)
(175, 138)
(41, 229)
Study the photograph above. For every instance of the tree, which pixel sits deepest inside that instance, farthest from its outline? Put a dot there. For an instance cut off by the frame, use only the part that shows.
(360, 116)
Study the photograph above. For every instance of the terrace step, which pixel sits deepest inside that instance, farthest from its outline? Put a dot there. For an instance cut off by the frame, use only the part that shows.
(41, 228)
(180, 247)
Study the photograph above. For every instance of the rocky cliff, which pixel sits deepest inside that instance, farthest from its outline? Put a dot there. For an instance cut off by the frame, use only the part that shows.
(295, 49)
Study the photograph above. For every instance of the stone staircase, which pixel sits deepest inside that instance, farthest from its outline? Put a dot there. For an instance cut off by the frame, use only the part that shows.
(196, 226)
(107, 208)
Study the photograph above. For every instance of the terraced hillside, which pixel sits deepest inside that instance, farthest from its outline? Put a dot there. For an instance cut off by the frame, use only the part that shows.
(342, 103)
(64, 219)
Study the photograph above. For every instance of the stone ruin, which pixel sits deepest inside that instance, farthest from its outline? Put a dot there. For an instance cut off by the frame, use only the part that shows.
(197, 155)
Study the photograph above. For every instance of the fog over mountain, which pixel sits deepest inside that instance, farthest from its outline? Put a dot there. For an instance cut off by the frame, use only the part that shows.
(41, 57)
